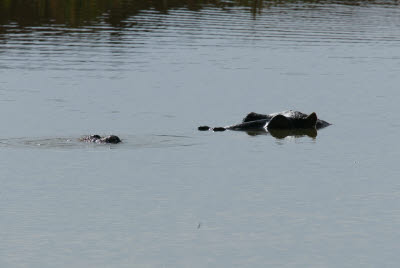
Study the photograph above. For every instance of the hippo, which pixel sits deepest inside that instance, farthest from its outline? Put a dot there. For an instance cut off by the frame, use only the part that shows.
(286, 123)
(98, 139)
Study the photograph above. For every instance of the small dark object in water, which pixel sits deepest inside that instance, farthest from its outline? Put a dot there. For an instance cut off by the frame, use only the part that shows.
(219, 129)
(111, 139)
(98, 139)
(203, 128)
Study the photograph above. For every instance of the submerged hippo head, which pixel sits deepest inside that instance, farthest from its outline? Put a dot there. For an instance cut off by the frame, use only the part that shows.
(293, 122)
(283, 122)
(111, 139)
(98, 139)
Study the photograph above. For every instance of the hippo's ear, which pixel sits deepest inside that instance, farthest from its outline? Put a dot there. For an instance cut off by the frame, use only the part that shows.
(254, 117)
(279, 122)
(311, 120)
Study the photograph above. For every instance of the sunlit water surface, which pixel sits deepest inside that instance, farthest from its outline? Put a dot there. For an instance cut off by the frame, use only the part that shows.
(171, 196)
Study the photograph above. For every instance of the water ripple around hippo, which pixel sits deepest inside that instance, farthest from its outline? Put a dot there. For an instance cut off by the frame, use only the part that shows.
(85, 142)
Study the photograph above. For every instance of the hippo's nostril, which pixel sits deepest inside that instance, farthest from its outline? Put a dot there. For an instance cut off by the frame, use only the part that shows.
(203, 128)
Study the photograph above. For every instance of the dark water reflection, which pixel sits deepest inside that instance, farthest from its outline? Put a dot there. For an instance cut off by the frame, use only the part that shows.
(111, 35)
(114, 13)
(281, 134)
(31, 15)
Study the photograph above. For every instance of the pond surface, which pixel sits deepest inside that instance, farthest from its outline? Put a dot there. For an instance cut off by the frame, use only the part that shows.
(151, 72)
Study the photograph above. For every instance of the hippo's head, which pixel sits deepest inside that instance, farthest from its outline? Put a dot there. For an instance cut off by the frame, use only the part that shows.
(282, 122)
(111, 139)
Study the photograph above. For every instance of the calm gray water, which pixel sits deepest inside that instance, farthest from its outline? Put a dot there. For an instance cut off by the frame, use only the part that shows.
(169, 195)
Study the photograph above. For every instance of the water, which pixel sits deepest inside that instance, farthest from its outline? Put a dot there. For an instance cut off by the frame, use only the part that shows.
(169, 195)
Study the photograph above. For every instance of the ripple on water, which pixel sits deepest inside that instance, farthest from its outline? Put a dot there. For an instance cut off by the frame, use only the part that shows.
(128, 142)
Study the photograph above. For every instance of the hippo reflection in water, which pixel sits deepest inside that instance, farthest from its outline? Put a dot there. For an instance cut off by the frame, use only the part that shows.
(98, 139)
(279, 125)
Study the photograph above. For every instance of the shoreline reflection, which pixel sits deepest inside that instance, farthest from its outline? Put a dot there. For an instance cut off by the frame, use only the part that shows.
(72, 14)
